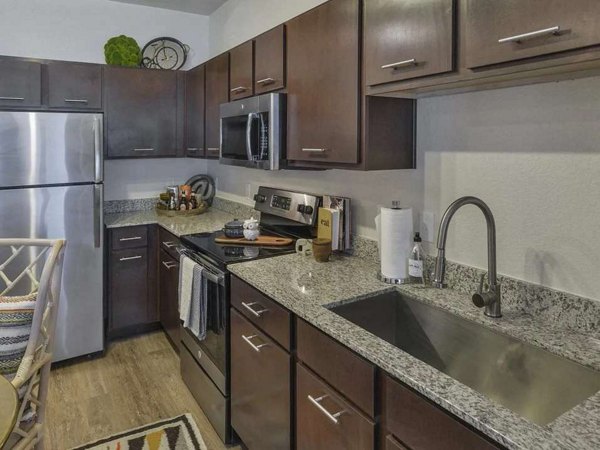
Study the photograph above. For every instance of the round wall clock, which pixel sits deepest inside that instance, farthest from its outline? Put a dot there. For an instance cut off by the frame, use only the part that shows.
(164, 53)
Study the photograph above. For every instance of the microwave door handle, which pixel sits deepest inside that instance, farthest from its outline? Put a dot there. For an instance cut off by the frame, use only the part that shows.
(249, 136)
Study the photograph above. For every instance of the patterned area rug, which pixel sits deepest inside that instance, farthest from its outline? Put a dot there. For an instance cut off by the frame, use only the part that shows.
(178, 433)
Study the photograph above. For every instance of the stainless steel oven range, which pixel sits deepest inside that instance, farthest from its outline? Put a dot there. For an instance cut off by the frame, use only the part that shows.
(205, 365)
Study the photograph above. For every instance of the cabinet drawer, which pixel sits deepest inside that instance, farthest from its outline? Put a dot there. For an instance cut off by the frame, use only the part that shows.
(407, 39)
(326, 421)
(349, 373)
(169, 242)
(74, 86)
(260, 387)
(20, 84)
(129, 237)
(420, 425)
(497, 32)
(262, 311)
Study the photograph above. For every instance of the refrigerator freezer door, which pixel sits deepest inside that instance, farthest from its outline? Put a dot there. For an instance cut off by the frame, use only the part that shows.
(66, 212)
(42, 148)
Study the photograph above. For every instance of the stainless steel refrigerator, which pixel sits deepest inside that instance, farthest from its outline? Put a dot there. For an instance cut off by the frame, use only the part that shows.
(51, 187)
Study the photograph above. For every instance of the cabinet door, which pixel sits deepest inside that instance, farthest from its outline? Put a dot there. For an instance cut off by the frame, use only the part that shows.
(128, 292)
(20, 84)
(241, 71)
(194, 112)
(260, 388)
(324, 420)
(217, 92)
(269, 61)
(140, 112)
(323, 83)
(508, 30)
(168, 295)
(407, 39)
(74, 86)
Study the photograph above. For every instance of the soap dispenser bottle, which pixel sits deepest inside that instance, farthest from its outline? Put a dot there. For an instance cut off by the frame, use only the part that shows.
(416, 261)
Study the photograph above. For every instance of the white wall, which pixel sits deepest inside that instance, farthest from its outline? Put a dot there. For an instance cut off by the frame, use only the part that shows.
(239, 20)
(76, 30)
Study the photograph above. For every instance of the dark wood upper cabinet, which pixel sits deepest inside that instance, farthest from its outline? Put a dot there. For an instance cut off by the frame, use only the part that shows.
(241, 71)
(20, 83)
(260, 387)
(323, 84)
(140, 112)
(217, 92)
(74, 86)
(269, 61)
(509, 30)
(407, 39)
(194, 112)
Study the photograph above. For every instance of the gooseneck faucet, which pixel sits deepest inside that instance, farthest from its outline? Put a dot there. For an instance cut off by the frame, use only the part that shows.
(490, 298)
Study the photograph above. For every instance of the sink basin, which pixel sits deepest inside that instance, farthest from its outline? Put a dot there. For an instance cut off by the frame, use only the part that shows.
(528, 380)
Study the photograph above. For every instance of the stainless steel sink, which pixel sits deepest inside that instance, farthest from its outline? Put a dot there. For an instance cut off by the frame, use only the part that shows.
(528, 380)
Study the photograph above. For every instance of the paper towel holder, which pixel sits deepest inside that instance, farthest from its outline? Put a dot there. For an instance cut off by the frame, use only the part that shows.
(389, 280)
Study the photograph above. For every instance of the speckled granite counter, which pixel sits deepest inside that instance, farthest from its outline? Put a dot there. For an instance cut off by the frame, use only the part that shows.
(212, 220)
(305, 287)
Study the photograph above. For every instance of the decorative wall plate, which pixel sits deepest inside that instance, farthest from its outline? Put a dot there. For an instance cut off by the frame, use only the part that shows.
(164, 53)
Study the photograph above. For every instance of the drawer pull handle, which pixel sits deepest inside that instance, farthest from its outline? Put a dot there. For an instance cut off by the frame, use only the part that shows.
(76, 100)
(213, 149)
(317, 402)
(249, 307)
(399, 64)
(14, 99)
(193, 149)
(314, 150)
(169, 265)
(239, 89)
(266, 81)
(256, 348)
(531, 35)
(130, 258)
(169, 244)
(134, 238)
(143, 149)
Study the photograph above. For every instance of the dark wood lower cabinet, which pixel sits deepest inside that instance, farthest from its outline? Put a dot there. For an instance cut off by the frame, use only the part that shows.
(260, 388)
(168, 271)
(324, 420)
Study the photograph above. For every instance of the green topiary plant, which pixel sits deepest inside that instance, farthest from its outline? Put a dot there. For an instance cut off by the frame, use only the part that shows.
(122, 51)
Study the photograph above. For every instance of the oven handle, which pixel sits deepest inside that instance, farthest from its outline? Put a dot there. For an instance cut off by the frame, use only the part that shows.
(210, 272)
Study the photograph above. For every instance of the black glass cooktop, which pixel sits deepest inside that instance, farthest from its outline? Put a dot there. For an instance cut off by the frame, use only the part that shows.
(205, 243)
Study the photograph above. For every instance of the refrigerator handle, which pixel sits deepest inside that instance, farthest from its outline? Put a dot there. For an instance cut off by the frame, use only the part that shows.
(98, 172)
(98, 206)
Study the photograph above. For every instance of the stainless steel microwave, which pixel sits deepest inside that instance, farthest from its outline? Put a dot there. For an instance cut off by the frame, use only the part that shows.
(253, 132)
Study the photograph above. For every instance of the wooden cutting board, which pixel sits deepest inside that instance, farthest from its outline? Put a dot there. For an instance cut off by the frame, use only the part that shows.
(273, 241)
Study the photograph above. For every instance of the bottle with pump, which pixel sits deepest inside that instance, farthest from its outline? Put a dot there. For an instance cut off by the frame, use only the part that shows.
(416, 262)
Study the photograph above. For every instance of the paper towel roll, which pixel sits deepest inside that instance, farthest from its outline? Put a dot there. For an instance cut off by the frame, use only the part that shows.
(395, 241)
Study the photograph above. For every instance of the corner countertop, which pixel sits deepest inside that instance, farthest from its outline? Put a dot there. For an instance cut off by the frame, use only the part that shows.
(211, 220)
(305, 287)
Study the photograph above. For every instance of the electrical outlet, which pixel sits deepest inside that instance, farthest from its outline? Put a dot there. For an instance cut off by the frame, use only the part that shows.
(427, 226)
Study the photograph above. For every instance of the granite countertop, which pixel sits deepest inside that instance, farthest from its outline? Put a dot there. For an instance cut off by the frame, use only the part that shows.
(211, 220)
(305, 287)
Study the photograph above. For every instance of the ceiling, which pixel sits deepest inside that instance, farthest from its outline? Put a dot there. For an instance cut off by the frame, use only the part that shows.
(204, 7)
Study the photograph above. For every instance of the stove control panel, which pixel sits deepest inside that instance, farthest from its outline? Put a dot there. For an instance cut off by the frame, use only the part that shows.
(297, 206)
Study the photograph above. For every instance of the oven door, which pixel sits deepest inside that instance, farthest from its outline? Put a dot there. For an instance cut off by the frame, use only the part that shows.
(211, 352)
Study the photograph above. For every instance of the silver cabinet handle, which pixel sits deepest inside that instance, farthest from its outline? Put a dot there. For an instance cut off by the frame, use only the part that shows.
(169, 244)
(239, 89)
(213, 149)
(169, 265)
(134, 238)
(532, 34)
(249, 307)
(75, 100)
(397, 65)
(143, 149)
(130, 258)
(317, 402)
(314, 150)
(194, 149)
(266, 81)
(15, 99)
(256, 348)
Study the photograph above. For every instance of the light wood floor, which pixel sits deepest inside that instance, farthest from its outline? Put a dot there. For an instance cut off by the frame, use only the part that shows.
(137, 382)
